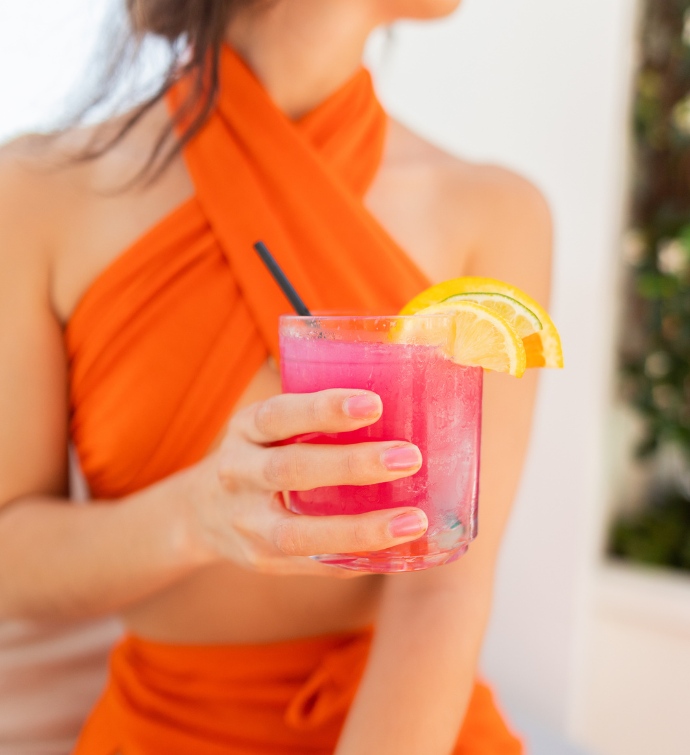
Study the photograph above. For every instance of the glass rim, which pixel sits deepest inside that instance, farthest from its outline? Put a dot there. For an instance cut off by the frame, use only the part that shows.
(341, 317)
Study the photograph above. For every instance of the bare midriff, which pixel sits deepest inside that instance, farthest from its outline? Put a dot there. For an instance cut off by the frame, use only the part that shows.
(224, 603)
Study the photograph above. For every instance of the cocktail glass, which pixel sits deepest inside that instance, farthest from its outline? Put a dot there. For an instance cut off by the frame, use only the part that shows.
(428, 400)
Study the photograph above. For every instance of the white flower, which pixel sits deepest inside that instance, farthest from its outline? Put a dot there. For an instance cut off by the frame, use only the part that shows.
(686, 28)
(633, 246)
(681, 116)
(672, 257)
(664, 396)
(657, 364)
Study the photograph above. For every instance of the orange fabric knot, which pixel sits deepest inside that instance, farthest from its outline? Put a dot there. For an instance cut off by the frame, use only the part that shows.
(330, 690)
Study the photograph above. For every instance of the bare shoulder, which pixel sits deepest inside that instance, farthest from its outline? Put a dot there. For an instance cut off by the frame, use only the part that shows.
(499, 218)
(492, 188)
(41, 194)
(17, 177)
(25, 207)
(41, 185)
(79, 214)
(53, 168)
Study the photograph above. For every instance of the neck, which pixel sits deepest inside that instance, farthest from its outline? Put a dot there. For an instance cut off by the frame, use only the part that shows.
(302, 50)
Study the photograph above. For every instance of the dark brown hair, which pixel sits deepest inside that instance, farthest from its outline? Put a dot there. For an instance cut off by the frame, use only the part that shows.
(193, 31)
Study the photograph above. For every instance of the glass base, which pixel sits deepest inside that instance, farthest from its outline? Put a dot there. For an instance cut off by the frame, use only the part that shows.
(386, 563)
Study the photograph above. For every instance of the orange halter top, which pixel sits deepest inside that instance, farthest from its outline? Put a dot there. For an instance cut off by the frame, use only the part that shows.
(169, 335)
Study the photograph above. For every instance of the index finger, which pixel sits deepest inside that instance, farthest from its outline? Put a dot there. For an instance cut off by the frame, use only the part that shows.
(334, 410)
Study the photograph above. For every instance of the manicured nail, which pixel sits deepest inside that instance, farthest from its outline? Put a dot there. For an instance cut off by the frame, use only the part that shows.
(401, 457)
(362, 406)
(406, 524)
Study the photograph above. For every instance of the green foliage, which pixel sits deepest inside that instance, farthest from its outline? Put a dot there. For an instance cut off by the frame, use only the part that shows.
(652, 286)
(658, 536)
(655, 343)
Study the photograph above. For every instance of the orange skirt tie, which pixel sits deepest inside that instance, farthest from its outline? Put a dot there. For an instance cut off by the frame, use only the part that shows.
(285, 698)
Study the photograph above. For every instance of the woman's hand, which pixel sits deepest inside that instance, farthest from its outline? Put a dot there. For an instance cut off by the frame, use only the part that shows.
(237, 507)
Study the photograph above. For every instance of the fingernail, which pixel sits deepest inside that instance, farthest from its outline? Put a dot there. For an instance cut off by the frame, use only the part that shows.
(401, 457)
(362, 406)
(406, 524)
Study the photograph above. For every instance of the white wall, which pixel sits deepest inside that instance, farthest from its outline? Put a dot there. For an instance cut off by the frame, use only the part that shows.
(538, 85)
(634, 684)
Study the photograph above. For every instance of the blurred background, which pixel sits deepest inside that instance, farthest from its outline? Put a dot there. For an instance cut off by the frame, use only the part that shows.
(590, 638)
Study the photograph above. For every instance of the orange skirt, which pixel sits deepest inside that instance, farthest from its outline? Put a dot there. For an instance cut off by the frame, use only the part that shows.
(285, 698)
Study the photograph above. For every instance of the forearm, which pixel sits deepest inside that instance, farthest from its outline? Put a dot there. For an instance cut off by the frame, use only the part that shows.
(421, 669)
(415, 691)
(61, 561)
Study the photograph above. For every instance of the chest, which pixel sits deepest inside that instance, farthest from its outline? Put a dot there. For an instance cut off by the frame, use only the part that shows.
(170, 333)
(436, 232)
(406, 203)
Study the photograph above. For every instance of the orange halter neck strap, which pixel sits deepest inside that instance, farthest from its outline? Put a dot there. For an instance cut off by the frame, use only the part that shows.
(169, 336)
(299, 187)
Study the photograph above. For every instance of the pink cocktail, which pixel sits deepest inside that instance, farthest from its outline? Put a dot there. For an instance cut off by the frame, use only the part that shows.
(427, 399)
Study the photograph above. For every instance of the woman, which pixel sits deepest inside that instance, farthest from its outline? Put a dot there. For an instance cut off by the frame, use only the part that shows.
(140, 300)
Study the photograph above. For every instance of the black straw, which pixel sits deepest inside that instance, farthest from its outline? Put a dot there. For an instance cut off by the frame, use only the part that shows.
(281, 279)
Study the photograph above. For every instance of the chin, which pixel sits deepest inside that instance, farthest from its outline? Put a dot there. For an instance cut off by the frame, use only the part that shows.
(419, 9)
